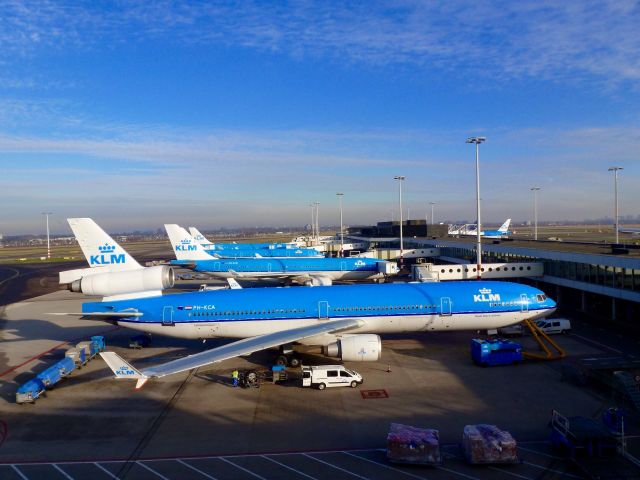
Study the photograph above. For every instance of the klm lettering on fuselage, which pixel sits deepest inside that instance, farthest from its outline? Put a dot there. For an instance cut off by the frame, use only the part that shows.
(102, 259)
(486, 296)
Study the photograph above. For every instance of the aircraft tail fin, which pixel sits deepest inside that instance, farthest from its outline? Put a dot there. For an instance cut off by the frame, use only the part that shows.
(184, 245)
(122, 369)
(198, 237)
(99, 248)
(505, 226)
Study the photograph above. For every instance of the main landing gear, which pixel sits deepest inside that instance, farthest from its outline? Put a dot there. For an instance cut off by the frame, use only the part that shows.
(290, 359)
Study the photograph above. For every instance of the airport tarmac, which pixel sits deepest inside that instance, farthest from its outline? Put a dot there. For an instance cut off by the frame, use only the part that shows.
(92, 417)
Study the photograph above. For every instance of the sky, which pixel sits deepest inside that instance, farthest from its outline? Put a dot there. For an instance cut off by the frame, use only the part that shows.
(225, 114)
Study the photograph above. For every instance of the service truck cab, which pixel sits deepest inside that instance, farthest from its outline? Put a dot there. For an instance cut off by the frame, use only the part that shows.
(554, 325)
(323, 376)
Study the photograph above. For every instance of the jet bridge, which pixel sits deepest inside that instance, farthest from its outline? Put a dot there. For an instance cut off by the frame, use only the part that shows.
(429, 272)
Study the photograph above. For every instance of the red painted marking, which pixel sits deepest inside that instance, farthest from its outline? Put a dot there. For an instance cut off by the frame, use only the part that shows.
(371, 394)
(51, 350)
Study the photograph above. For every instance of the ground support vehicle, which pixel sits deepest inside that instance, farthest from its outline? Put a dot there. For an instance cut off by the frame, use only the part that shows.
(591, 447)
(497, 351)
(324, 376)
(77, 355)
(413, 445)
(30, 391)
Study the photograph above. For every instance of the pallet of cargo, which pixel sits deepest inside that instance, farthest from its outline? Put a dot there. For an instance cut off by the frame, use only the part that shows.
(487, 444)
(413, 445)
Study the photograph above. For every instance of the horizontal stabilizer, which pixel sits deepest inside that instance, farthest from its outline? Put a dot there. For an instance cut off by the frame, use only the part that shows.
(122, 369)
(233, 284)
(101, 315)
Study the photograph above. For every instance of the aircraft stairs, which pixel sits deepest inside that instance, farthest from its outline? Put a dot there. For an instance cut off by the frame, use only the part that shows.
(552, 351)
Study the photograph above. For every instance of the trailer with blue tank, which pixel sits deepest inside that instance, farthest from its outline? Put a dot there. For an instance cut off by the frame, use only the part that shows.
(77, 355)
(29, 391)
(496, 351)
(66, 366)
(50, 376)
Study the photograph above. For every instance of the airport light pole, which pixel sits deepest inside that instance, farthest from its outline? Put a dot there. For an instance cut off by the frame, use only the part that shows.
(340, 195)
(535, 191)
(313, 221)
(432, 204)
(615, 176)
(46, 214)
(400, 179)
(317, 204)
(478, 141)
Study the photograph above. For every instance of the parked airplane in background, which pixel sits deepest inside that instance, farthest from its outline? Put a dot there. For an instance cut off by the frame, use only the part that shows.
(632, 231)
(472, 230)
(202, 240)
(112, 272)
(344, 320)
(251, 250)
(307, 271)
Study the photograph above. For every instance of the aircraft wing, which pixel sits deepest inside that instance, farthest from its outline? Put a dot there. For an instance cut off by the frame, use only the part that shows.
(102, 315)
(242, 347)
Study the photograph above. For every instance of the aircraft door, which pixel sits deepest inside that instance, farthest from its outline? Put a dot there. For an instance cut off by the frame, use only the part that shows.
(445, 306)
(268, 266)
(216, 266)
(323, 310)
(524, 302)
(167, 316)
(343, 266)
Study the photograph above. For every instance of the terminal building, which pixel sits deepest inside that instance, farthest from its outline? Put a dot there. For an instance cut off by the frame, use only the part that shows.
(597, 281)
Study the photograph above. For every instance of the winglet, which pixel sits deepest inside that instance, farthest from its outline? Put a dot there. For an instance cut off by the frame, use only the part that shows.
(122, 369)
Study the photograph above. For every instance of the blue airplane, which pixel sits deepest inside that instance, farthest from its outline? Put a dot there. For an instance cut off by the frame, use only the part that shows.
(344, 319)
(472, 230)
(307, 271)
(251, 249)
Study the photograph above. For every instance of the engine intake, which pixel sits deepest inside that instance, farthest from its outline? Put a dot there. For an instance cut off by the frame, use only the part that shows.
(356, 348)
(130, 281)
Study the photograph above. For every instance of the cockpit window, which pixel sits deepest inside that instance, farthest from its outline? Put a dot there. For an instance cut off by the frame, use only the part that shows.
(541, 298)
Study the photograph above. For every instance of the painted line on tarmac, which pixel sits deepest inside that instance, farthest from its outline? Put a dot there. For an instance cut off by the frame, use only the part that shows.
(105, 470)
(15, 469)
(6, 372)
(546, 469)
(196, 469)
(597, 343)
(288, 467)
(379, 464)
(242, 468)
(507, 472)
(151, 470)
(335, 466)
(62, 471)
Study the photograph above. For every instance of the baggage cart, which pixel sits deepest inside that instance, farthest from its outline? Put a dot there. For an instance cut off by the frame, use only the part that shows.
(77, 355)
(413, 445)
(50, 376)
(90, 349)
(99, 342)
(488, 444)
(66, 366)
(28, 392)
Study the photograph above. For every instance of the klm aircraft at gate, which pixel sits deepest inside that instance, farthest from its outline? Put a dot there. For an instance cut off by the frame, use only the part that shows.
(344, 320)
(308, 271)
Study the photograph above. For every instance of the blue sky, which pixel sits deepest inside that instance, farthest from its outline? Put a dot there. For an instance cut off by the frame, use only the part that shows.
(243, 113)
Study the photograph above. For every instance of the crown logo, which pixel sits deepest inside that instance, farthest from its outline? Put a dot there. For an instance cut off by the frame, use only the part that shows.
(106, 248)
(485, 291)
(185, 241)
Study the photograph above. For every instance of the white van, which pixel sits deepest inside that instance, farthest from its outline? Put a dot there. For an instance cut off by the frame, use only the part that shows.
(323, 376)
(516, 330)
(554, 325)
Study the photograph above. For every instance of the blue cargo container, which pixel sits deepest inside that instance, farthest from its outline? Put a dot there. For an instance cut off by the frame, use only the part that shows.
(50, 376)
(66, 366)
(89, 349)
(30, 391)
(497, 351)
(77, 355)
(99, 342)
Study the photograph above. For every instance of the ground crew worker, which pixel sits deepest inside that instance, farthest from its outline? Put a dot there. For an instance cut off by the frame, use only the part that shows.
(234, 376)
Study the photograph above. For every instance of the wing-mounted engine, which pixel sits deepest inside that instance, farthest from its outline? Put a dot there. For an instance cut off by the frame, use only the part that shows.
(356, 348)
(131, 281)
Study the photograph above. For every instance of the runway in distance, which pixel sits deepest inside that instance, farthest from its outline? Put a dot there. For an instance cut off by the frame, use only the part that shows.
(345, 320)
(472, 230)
(307, 271)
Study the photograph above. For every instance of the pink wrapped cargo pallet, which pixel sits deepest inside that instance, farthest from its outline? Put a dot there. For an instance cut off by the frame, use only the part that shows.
(406, 444)
(488, 444)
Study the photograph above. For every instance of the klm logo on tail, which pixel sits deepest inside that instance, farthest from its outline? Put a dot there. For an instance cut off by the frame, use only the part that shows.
(125, 371)
(486, 296)
(185, 246)
(106, 256)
